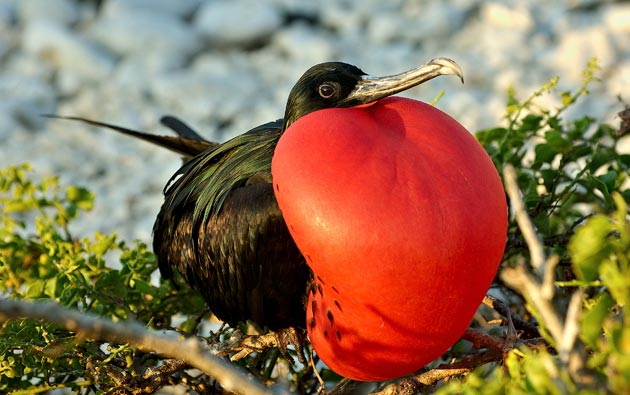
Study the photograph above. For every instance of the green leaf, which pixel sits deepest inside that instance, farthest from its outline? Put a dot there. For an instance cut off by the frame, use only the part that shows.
(588, 247)
(35, 290)
(544, 153)
(82, 197)
(567, 98)
(593, 318)
(556, 140)
(580, 126)
(608, 179)
(487, 136)
(531, 122)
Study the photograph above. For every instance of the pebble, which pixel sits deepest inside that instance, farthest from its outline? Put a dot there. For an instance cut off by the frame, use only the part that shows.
(142, 31)
(7, 13)
(295, 38)
(179, 8)
(25, 99)
(581, 45)
(57, 45)
(227, 66)
(507, 17)
(238, 23)
(63, 12)
(137, 71)
(617, 17)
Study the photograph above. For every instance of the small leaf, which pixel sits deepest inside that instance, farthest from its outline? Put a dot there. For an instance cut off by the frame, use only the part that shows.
(616, 281)
(544, 153)
(35, 290)
(531, 122)
(567, 98)
(588, 247)
(556, 140)
(581, 125)
(609, 179)
(82, 197)
(593, 319)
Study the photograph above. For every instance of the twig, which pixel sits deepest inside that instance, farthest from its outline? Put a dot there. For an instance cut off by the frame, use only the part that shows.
(524, 222)
(190, 350)
(482, 340)
(345, 386)
(413, 385)
(519, 279)
(571, 326)
(529, 330)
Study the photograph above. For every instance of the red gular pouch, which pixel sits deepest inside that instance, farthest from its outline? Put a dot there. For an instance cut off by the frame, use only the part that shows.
(402, 217)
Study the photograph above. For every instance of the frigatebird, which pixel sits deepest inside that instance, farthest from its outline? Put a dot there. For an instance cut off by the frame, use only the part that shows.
(220, 226)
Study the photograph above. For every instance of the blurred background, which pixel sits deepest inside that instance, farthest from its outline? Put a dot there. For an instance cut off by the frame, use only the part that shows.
(227, 66)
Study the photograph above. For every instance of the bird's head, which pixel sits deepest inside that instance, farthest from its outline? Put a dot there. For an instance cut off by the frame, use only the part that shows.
(337, 84)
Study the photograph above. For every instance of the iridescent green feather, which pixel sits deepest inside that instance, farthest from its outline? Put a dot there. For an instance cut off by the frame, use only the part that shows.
(208, 178)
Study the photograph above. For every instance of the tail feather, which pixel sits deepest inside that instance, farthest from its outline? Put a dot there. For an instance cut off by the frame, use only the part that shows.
(180, 127)
(188, 144)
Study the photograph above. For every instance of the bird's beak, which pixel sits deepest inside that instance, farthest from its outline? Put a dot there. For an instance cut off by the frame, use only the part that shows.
(370, 89)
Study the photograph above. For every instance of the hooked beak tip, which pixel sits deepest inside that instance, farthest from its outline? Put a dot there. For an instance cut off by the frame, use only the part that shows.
(447, 67)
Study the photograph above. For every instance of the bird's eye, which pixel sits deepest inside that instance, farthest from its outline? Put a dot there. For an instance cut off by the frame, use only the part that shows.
(327, 90)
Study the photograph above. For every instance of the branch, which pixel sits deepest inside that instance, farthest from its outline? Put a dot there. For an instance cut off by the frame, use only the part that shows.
(414, 385)
(495, 349)
(540, 292)
(190, 350)
(529, 330)
(523, 220)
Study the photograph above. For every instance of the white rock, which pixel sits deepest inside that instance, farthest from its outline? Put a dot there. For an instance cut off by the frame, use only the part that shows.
(617, 17)
(300, 7)
(618, 81)
(29, 65)
(7, 13)
(179, 8)
(136, 31)
(576, 47)
(305, 44)
(414, 22)
(341, 17)
(64, 12)
(494, 48)
(138, 70)
(4, 46)
(59, 46)
(207, 95)
(507, 16)
(25, 99)
(226, 23)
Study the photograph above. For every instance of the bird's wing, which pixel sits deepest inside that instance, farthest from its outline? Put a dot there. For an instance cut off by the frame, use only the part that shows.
(208, 178)
(220, 227)
(186, 144)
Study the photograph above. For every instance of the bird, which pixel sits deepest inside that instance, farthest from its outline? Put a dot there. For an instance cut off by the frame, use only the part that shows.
(222, 230)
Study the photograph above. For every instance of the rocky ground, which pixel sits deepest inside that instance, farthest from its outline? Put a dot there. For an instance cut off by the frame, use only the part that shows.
(226, 66)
